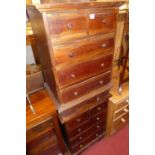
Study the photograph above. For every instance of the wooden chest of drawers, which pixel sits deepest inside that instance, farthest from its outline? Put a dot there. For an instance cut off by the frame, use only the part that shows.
(76, 44)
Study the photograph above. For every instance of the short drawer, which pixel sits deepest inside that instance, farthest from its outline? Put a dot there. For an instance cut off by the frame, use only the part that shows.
(72, 53)
(67, 25)
(81, 89)
(122, 111)
(97, 134)
(102, 21)
(71, 75)
(121, 122)
(39, 130)
(101, 116)
(122, 104)
(76, 122)
(97, 109)
(90, 131)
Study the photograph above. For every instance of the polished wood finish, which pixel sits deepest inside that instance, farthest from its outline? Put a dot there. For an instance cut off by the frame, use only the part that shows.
(42, 129)
(76, 45)
(118, 106)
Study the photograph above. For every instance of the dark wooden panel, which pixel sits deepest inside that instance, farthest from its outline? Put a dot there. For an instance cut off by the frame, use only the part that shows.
(104, 21)
(70, 75)
(84, 87)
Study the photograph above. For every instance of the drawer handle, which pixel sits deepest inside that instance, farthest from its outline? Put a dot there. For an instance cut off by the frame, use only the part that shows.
(98, 99)
(71, 54)
(123, 120)
(98, 118)
(127, 101)
(80, 138)
(76, 93)
(69, 26)
(99, 108)
(96, 135)
(104, 21)
(103, 45)
(78, 120)
(98, 126)
(72, 75)
(81, 146)
(126, 110)
(101, 82)
(102, 64)
(79, 130)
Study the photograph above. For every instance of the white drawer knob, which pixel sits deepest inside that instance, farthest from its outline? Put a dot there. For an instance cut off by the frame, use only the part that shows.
(126, 110)
(123, 120)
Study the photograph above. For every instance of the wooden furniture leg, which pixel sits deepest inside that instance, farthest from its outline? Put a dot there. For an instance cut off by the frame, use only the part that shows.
(59, 135)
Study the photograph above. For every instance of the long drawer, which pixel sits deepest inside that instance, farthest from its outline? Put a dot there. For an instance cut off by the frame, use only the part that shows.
(85, 70)
(80, 50)
(80, 89)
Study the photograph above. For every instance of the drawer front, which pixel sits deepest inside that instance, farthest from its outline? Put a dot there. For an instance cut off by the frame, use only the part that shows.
(97, 109)
(85, 87)
(122, 104)
(122, 111)
(42, 143)
(77, 121)
(79, 72)
(67, 25)
(96, 134)
(39, 130)
(102, 21)
(101, 116)
(78, 139)
(66, 55)
(84, 106)
(121, 122)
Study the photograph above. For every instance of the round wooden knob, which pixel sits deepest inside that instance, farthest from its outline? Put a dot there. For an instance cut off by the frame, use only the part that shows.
(127, 101)
(104, 21)
(81, 146)
(98, 118)
(103, 45)
(69, 26)
(101, 82)
(102, 64)
(126, 110)
(72, 75)
(80, 138)
(76, 93)
(98, 126)
(96, 135)
(71, 54)
(98, 99)
(78, 120)
(99, 108)
(79, 129)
